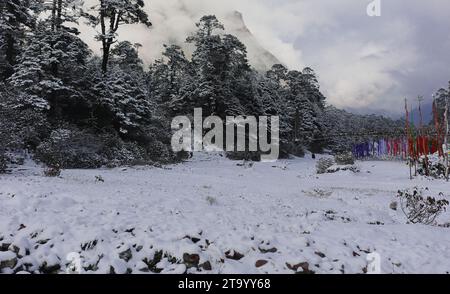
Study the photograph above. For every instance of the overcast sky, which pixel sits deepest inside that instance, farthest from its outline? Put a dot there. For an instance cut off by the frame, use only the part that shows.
(367, 64)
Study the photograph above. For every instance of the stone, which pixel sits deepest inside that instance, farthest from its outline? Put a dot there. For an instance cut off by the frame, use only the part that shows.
(270, 250)
(206, 266)
(320, 254)
(8, 260)
(261, 263)
(234, 255)
(4, 246)
(49, 268)
(126, 255)
(303, 265)
(191, 260)
(394, 205)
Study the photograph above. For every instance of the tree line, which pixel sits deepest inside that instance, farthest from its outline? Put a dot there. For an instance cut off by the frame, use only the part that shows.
(75, 109)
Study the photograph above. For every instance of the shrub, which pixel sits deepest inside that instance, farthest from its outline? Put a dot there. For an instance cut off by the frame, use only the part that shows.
(53, 171)
(323, 164)
(434, 165)
(420, 209)
(71, 148)
(157, 142)
(345, 158)
(115, 152)
(158, 151)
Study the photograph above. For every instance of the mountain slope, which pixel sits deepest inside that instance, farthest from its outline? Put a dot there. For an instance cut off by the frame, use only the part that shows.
(260, 58)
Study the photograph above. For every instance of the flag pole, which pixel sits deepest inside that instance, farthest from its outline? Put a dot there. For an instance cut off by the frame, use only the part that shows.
(422, 136)
(414, 143)
(407, 138)
(446, 140)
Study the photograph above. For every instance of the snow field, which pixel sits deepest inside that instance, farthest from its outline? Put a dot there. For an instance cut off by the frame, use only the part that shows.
(213, 215)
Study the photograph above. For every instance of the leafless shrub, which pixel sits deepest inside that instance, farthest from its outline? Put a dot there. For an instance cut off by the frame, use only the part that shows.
(419, 209)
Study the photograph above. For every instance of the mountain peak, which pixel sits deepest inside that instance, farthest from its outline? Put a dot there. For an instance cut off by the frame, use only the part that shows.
(259, 56)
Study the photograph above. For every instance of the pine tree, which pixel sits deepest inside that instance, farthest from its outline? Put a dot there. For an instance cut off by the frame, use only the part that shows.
(121, 101)
(17, 17)
(39, 74)
(442, 95)
(170, 81)
(312, 88)
(20, 126)
(304, 106)
(223, 77)
(126, 55)
(110, 15)
(273, 93)
(62, 12)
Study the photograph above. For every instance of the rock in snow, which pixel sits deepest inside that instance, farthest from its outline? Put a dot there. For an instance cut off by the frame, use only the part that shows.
(7, 260)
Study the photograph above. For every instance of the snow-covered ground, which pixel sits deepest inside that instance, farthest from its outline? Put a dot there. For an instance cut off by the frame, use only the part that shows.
(214, 215)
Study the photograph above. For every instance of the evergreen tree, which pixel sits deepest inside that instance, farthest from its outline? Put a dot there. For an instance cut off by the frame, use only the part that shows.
(62, 12)
(17, 17)
(120, 101)
(170, 79)
(50, 70)
(126, 55)
(110, 15)
(442, 96)
(223, 78)
(20, 126)
(304, 106)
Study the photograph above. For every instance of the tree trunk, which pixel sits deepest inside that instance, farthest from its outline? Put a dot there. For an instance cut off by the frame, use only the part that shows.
(54, 15)
(105, 41)
(59, 15)
(106, 49)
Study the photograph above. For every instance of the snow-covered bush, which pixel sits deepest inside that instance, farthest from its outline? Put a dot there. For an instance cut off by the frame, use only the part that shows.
(71, 148)
(159, 151)
(345, 158)
(323, 164)
(421, 209)
(115, 152)
(433, 166)
(157, 143)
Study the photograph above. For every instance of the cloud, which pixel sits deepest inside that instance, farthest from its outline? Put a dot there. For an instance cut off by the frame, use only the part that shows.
(373, 64)
(365, 64)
